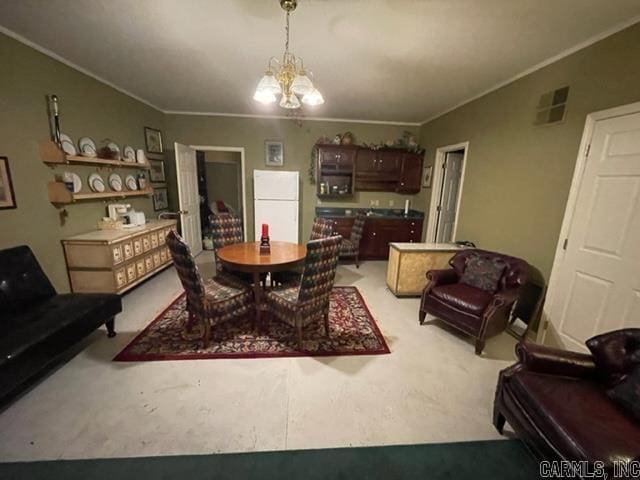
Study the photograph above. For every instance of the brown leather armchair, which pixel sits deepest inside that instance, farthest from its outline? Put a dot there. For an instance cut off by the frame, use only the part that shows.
(473, 311)
(556, 401)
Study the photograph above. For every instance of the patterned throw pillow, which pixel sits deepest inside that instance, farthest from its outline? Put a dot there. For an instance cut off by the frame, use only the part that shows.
(627, 393)
(483, 272)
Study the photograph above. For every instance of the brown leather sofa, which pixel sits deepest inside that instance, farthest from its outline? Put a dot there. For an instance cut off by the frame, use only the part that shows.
(476, 312)
(557, 402)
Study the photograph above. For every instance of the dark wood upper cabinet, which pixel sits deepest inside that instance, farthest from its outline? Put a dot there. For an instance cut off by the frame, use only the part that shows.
(342, 169)
(387, 170)
(335, 170)
(410, 174)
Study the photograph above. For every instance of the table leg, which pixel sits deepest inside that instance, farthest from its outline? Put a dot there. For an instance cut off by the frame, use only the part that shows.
(257, 295)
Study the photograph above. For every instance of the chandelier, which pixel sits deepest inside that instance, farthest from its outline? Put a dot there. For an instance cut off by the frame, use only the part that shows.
(287, 77)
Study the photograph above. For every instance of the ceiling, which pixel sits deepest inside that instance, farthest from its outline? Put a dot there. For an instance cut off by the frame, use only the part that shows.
(379, 60)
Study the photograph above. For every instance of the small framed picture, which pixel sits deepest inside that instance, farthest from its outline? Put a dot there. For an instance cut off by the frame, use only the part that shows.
(160, 199)
(156, 174)
(273, 153)
(153, 140)
(7, 197)
(428, 173)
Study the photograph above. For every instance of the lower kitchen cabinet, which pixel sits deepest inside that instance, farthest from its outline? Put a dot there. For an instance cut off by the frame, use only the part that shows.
(379, 232)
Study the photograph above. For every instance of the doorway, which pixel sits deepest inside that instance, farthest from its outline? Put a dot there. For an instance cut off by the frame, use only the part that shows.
(448, 177)
(594, 285)
(194, 208)
(219, 186)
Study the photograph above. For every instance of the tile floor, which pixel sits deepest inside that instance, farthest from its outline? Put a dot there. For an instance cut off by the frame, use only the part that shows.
(431, 388)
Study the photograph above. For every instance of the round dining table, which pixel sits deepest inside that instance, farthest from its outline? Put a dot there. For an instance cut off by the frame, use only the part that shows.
(246, 257)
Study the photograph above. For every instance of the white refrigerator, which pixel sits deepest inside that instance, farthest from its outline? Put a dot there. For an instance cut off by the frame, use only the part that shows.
(275, 202)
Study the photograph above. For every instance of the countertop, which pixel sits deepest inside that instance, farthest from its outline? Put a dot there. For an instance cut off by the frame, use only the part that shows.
(110, 236)
(337, 212)
(426, 247)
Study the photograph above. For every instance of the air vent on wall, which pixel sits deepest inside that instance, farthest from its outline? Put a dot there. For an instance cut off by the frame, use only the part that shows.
(552, 107)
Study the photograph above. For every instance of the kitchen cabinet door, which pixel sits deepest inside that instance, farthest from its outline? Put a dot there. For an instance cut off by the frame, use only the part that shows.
(410, 174)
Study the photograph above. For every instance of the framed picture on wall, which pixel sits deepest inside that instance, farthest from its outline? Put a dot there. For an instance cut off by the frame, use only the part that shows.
(160, 199)
(428, 173)
(156, 174)
(153, 140)
(273, 153)
(7, 197)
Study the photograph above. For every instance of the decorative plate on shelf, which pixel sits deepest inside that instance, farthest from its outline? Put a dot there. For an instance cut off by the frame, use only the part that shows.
(96, 183)
(115, 182)
(87, 147)
(74, 179)
(130, 182)
(128, 154)
(67, 144)
(114, 148)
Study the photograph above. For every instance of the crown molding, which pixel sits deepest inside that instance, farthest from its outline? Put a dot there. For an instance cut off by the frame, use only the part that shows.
(285, 117)
(565, 53)
(68, 63)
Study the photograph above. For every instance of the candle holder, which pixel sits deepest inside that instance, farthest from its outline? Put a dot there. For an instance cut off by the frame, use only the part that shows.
(265, 246)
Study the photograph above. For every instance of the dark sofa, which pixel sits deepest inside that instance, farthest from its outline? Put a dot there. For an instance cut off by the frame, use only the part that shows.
(557, 401)
(37, 325)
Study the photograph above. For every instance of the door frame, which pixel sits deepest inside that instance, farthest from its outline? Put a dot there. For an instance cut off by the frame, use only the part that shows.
(576, 184)
(240, 150)
(436, 187)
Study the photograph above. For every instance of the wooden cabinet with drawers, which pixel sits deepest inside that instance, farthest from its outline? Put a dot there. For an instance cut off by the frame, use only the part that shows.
(114, 261)
(379, 232)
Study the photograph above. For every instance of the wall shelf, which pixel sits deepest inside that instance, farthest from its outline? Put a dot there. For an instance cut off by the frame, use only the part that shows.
(60, 195)
(52, 156)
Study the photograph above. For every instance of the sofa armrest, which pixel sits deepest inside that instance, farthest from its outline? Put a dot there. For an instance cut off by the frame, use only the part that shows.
(442, 277)
(543, 359)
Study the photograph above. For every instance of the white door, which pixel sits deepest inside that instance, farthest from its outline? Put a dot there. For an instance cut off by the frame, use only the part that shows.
(596, 286)
(448, 207)
(188, 197)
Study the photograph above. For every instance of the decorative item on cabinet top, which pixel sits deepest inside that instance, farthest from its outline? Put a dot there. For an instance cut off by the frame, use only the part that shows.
(114, 261)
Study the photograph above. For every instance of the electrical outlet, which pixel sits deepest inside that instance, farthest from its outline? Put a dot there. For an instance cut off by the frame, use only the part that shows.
(391, 203)
(377, 203)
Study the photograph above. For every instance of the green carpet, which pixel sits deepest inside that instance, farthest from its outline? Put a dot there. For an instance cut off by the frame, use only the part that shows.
(499, 459)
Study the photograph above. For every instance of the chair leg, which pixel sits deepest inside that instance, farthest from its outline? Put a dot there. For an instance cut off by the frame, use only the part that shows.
(299, 328)
(357, 260)
(479, 346)
(206, 334)
(326, 324)
(421, 316)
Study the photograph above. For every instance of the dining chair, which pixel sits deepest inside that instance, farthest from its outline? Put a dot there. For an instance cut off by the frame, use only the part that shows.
(226, 229)
(308, 301)
(209, 302)
(350, 247)
(322, 228)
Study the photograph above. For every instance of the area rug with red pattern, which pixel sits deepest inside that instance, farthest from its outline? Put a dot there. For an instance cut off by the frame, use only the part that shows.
(352, 331)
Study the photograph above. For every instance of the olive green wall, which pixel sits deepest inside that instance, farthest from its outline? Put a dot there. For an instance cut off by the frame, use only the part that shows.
(518, 175)
(251, 134)
(87, 108)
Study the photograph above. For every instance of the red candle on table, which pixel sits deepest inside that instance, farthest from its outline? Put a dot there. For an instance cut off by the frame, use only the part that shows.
(265, 230)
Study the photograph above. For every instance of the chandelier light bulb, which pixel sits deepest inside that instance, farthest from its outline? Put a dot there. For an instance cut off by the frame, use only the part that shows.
(301, 84)
(313, 98)
(264, 97)
(269, 84)
(289, 101)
